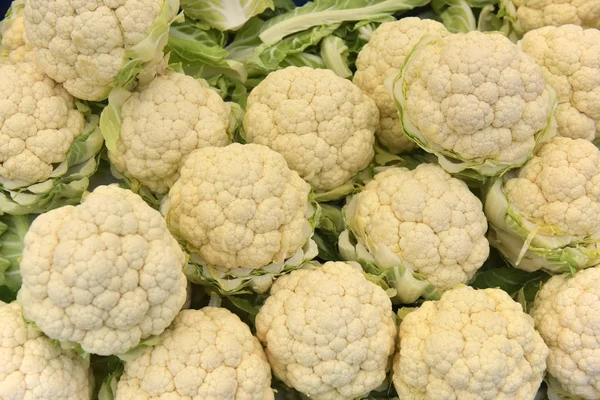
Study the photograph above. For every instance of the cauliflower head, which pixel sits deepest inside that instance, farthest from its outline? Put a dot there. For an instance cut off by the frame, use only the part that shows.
(430, 222)
(38, 124)
(91, 46)
(104, 274)
(475, 100)
(48, 147)
(323, 124)
(15, 47)
(569, 56)
(32, 367)
(382, 57)
(471, 344)
(160, 125)
(550, 207)
(328, 332)
(527, 15)
(565, 314)
(240, 206)
(205, 354)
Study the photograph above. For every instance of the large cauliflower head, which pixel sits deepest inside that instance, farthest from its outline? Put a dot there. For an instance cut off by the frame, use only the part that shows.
(323, 124)
(328, 332)
(38, 124)
(240, 206)
(206, 354)
(569, 56)
(383, 56)
(566, 315)
(429, 219)
(88, 44)
(546, 214)
(161, 124)
(471, 344)
(534, 14)
(559, 188)
(32, 367)
(104, 274)
(474, 97)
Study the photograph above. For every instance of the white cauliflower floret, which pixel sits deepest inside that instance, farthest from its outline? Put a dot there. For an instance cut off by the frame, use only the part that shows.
(161, 124)
(38, 124)
(86, 44)
(566, 315)
(475, 98)
(383, 56)
(534, 14)
(428, 219)
(323, 124)
(471, 344)
(328, 332)
(205, 354)
(569, 57)
(104, 274)
(550, 207)
(34, 368)
(240, 206)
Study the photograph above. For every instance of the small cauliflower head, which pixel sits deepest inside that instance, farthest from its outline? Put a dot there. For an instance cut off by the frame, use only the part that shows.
(527, 15)
(102, 275)
(240, 206)
(15, 47)
(323, 124)
(546, 215)
(471, 344)
(32, 367)
(566, 314)
(382, 57)
(423, 220)
(569, 56)
(205, 354)
(475, 100)
(38, 124)
(328, 332)
(91, 46)
(160, 125)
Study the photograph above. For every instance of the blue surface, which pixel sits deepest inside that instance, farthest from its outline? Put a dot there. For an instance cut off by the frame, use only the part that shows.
(4, 5)
(301, 2)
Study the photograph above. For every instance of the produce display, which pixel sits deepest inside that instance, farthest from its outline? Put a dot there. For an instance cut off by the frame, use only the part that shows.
(293, 200)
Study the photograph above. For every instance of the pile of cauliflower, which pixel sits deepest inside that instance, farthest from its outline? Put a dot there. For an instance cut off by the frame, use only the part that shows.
(276, 202)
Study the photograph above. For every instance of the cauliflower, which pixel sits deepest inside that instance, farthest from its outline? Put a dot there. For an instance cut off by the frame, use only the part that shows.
(47, 148)
(14, 47)
(421, 224)
(323, 124)
(565, 311)
(569, 56)
(527, 15)
(471, 344)
(328, 332)
(547, 214)
(34, 368)
(240, 211)
(383, 57)
(91, 46)
(206, 354)
(475, 100)
(159, 125)
(102, 275)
